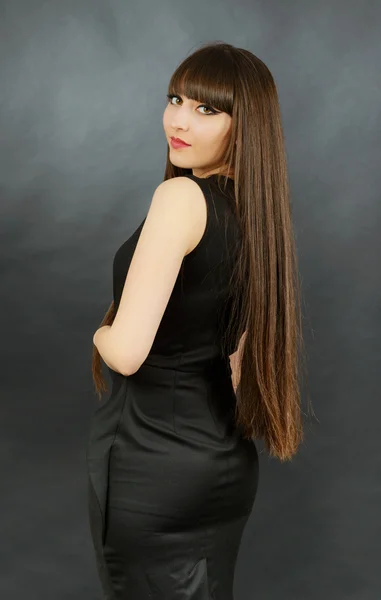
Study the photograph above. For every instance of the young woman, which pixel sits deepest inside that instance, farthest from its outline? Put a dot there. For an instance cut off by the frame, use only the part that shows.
(205, 297)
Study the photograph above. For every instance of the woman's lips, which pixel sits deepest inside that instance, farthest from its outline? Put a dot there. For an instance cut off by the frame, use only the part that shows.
(175, 144)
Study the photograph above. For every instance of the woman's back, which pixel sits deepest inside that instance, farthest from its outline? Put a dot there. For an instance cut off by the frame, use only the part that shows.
(190, 331)
(171, 480)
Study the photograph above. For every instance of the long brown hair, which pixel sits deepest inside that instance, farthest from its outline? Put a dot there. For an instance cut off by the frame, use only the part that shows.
(268, 312)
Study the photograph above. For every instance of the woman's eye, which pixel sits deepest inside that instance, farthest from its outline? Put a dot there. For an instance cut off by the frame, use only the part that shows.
(170, 97)
(207, 108)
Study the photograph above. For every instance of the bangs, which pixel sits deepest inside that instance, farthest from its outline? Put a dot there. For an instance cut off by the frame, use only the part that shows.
(207, 76)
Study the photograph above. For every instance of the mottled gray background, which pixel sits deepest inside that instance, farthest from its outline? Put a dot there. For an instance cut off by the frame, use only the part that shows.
(83, 87)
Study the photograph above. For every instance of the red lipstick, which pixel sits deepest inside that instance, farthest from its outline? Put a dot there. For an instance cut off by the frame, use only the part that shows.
(178, 143)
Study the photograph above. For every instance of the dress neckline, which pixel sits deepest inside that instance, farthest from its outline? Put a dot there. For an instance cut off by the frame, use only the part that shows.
(213, 175)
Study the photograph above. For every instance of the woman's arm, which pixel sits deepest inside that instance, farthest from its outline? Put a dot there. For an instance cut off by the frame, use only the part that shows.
(234, 365)
(107, 348)
(235, 362)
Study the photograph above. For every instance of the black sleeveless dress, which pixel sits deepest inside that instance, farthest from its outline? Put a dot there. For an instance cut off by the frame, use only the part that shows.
(171, 480)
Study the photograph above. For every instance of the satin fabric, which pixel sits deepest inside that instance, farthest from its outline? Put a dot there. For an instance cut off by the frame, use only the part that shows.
(171, 481)
(171, 486)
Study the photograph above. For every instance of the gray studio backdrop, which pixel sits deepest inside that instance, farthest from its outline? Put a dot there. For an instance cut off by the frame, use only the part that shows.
(82, 93)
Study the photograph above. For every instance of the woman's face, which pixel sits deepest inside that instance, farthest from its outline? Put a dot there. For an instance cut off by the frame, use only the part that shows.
(203, 127)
